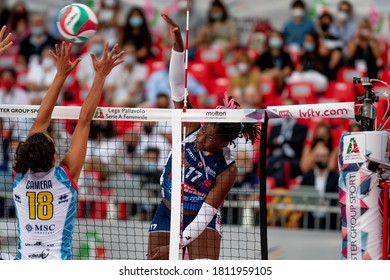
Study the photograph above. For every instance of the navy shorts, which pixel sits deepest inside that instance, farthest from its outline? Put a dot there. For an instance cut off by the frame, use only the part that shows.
(162, 220)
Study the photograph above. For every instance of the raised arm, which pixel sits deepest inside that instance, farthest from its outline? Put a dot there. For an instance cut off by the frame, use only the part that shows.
(64, 67)
(75, 157)
(6, 42)
(176, 69)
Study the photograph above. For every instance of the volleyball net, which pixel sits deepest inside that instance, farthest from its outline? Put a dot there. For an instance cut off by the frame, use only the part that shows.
(119, 188)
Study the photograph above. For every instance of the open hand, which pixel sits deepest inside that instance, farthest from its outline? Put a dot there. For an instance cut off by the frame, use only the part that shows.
(4, 43)
(62, 58)
(174, 30)
(108, 60)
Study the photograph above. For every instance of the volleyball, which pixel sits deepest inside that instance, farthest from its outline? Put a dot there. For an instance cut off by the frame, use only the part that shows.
(77, 22)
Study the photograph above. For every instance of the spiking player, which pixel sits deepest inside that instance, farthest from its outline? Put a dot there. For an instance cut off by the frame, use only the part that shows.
(210, 172)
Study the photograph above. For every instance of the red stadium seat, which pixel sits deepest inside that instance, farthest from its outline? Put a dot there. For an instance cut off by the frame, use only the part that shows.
(341, 91)
(268, 92)
(213, 60)
(301, 92)
(347, 73)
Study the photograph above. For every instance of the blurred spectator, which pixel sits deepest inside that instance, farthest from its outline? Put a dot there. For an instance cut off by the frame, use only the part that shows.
(330, 48)
(196, 21)
(108, 16)
(4, 13)
(40, 76)
(10, 93)
(158, 83)
(295, 28)
(126, 83)
(164, 128)
(220, 31)
(85, 71)
(39, 38)
(4, 143)
(101, 149)
(344, 27)
(275, 63)
(244, 75)
(136, 31)
(355, 127)
(249, 97)
(246, 178)
(310, 66)
(127, 156)
(322, 132)
(324, 181)
(364, 50)
(151, 138)
(18, 24)
(285, 144)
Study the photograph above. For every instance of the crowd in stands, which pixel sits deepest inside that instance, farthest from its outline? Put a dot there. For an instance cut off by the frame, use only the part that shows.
(307, 61)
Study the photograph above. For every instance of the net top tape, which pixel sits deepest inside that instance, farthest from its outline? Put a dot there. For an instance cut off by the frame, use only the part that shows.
(325, 110)
(139, 114)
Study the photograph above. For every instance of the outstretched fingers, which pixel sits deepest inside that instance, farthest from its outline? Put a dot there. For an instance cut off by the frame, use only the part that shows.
(5, 43)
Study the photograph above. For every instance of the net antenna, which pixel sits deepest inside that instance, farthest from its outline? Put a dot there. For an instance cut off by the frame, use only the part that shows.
(172, 236)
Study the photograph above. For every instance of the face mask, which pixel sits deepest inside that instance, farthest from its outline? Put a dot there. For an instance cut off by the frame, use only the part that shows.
(136, 21)
(36, 31)
(129, 59)
(8, 84)
(309, 47)
(275, 43)
(216, 16)
(297, 12)
(48, 62)
(242, 67)
(130, 148)
(342, 16)
(324, 27)
(96, 49)
(321, 165)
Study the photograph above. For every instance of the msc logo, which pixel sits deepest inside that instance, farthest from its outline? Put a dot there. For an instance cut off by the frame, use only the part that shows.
(41, 229)
(29, 227)
(98, 114)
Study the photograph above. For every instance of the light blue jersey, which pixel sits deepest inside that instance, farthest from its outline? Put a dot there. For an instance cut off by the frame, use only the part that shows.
(46, 204)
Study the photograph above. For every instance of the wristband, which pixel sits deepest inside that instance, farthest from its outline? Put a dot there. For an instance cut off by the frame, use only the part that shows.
(199, 224)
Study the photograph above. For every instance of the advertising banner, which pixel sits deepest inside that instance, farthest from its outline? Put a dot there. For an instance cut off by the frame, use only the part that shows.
(360, 196)
(344, 110)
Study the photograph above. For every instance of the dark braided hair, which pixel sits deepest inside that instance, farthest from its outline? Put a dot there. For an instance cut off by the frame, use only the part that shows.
(231, 131)
(36, 154)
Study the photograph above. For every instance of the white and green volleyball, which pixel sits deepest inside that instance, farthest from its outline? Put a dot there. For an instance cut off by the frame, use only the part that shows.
(77, 22)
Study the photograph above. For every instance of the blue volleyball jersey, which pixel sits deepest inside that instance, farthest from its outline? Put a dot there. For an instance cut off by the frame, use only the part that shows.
(46, 204)
(201, 171)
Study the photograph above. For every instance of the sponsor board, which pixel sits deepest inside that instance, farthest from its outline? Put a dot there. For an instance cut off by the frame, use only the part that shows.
(307, 111)
(354, 148)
